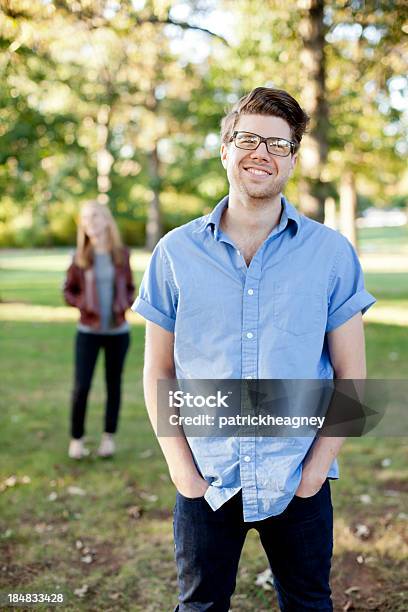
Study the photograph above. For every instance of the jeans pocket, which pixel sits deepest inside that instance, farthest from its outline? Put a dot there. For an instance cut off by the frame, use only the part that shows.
(190, 499)
(315, 504)
(305, 499)
(312, 498)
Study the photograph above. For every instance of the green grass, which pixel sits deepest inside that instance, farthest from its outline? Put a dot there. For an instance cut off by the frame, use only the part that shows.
(383, 239)
(42, 525)
(387, 285)
(36, 277)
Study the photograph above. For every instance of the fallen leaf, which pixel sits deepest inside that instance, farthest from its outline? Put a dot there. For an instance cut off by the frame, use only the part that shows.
(365, 499)
(12, 481)
(81, 591)
(76, 491)
(361, 531)
(134, 512)
(265, 579)
(148, 496)
(352, 589)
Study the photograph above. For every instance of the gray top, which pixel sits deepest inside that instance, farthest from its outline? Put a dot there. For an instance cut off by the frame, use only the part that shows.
(105, 278)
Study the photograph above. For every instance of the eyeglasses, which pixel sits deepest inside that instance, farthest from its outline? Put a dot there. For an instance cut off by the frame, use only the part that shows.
(274, 145)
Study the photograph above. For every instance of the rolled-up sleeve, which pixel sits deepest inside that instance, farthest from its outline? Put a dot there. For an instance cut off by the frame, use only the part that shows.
(347, 294)
(158, 295)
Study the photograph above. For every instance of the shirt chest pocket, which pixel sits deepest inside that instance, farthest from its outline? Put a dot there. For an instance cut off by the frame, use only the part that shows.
(299, 310)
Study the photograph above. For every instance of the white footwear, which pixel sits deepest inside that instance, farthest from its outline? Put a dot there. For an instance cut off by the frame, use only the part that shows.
(77, 449)
(107, 446)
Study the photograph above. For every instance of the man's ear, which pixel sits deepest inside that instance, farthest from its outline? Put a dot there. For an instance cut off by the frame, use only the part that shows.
(224, 154)
(293, 161)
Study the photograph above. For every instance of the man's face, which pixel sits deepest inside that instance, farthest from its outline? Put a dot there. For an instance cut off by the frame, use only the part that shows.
(258, 174)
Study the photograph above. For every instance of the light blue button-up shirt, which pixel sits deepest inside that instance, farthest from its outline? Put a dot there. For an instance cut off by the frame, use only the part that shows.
(268, 320)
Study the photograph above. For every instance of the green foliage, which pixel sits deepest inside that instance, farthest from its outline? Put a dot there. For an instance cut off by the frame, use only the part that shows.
(168, 86)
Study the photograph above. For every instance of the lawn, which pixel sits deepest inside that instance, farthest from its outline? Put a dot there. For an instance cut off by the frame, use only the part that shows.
(100, 531)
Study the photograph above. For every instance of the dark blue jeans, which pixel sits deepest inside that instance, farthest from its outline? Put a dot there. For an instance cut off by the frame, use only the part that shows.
(87, 347)
(298, 544)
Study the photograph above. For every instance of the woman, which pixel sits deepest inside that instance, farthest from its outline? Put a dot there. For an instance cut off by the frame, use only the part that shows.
(98, 282)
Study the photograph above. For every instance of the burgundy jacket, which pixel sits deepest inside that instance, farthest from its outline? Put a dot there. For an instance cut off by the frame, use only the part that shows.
(80, 291)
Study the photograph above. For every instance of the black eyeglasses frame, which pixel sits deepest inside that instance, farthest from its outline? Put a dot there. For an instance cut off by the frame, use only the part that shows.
(265, 140)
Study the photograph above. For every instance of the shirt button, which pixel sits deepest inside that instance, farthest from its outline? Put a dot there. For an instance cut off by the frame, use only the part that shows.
(250, 335)
(247, 458)
(250, 292)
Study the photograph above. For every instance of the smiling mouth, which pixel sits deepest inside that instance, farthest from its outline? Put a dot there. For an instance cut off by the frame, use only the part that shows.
(258, 171)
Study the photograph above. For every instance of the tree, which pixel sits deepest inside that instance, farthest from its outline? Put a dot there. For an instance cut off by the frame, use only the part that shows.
(125, 87)
(112, 101)
(340, 61)
(312, 30)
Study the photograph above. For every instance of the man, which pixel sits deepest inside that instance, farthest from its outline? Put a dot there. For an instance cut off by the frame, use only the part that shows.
(253, 290)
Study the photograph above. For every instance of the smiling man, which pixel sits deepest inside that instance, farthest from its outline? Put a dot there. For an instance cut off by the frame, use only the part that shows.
(254, 290)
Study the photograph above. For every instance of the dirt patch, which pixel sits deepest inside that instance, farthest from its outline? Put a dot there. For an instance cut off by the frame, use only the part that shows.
(393, 484)
(162, 514)
(91, 554)
(14, 575)
(357, 585)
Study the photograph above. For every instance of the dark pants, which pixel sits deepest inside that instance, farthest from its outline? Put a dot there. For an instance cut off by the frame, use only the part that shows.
(298, 544)
(86, 352)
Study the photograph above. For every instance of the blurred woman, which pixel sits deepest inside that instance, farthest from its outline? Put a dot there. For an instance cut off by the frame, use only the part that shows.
(99, 283)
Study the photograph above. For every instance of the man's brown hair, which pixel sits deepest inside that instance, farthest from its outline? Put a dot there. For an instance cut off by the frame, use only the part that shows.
(267, 101)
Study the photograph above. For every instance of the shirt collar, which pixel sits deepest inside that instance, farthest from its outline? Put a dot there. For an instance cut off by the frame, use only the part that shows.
(213, 219)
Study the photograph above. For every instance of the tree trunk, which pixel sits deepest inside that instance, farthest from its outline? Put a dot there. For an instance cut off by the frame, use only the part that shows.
(104, 159)
(154, 228)
(330, 215)
(348, 207)
(314, 149)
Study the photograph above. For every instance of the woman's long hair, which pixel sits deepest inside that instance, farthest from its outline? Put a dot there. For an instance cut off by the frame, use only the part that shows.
(84, 252)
